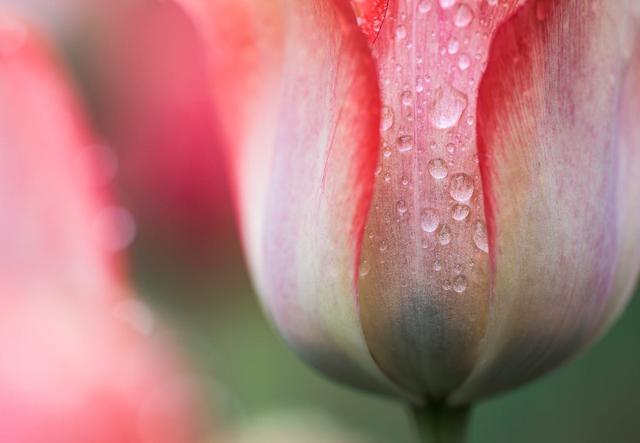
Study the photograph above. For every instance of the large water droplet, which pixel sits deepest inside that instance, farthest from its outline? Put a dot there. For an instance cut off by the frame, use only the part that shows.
(461, 187)
(405, 143)
(463, 16)
(447, 107)
(429, 220)
(438, 168)
(460, 284)
(460, 212)
(480, 238)
(386, 121)
(437, 265)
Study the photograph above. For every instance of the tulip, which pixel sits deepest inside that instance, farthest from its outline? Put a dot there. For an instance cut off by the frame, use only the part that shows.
(445, 205)
(82, 359)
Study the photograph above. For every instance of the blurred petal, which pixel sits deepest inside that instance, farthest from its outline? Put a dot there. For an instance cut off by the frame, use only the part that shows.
(77, 363)
(148, 90)
(297, 96)
(558, 138)
(70, 373)
(424, 304)
(44, 145)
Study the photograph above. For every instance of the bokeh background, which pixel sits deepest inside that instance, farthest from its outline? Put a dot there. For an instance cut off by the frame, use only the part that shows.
(140, 69)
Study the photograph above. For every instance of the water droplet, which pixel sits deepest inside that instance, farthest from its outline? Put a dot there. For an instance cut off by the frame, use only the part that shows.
(446, 285)
(401, 206)
(401, 32)
(444, 4)
(460, 212)
(405, 143)
(386, 152)
(463, 16)
(447, 107)
(429, 220)
(387, 177)
(406, 98)
(453, 45)
(425, 243)
(437, 265)
(480, 237)
(438, 168)
(424, 6)
(383, 246)
(460, 284)
(457, 268)
(365, 268)
(386, 122)
(444, 235)
(464, 61)
(461, 187)
(404, 180)
(451, 148)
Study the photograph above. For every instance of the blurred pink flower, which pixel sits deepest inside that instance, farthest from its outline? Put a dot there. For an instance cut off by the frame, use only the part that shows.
(81, 358)
(145, 69)
(142, 67)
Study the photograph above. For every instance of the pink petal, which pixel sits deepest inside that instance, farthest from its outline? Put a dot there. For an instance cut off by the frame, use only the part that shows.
(560, 156)
(45, 145)
(297, 96)
(424, 304)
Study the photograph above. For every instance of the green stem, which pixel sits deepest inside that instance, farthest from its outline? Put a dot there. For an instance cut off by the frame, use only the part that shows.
(441, 424)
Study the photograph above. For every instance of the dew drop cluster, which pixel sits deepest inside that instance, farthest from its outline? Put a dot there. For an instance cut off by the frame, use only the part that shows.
(427, 222)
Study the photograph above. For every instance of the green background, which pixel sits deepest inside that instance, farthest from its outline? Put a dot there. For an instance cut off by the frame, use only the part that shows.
(594, 398)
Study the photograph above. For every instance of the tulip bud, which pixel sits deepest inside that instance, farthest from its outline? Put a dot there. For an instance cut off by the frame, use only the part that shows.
(449, 211)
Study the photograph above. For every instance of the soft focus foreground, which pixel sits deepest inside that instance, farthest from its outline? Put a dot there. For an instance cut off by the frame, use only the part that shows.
(81, 359)
(593, 399)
